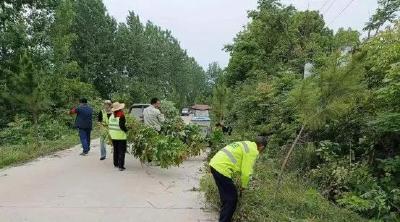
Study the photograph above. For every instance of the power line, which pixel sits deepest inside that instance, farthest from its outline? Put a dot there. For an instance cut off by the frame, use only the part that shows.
(323, 6)
(341, 12)
(329, 7)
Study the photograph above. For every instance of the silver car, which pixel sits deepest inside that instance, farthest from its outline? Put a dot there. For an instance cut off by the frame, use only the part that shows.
(136, 111)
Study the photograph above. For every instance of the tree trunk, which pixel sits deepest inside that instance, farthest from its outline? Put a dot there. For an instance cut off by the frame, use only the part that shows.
(288, 156)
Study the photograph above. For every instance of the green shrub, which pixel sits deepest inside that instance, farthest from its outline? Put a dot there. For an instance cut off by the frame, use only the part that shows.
(293, 201)
(15, 154)
(22, 131)
(217, 142)
(170, 147)
(17, 132)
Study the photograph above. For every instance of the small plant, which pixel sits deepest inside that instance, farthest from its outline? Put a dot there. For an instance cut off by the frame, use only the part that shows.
(194, 140)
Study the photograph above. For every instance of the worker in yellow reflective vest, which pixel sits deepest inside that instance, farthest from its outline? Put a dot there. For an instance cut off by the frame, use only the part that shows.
(117, 129)
(238, 157)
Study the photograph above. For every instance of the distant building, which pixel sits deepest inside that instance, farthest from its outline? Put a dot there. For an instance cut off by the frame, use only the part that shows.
(200, 110)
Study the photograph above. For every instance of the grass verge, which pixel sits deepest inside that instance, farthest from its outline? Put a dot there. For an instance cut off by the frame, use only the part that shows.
(294, 202)
(17, 154)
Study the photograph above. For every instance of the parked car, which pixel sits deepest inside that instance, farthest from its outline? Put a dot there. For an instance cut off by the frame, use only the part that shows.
(185, 112)
(136, 111)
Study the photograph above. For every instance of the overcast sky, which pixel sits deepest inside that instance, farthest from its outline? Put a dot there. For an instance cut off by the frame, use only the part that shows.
(203, 27)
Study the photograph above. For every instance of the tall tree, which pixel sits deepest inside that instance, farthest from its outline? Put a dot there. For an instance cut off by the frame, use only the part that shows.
(213, 73)
(26, 89)
(278, 37)
(387, 12)
(62, 38)
(94, 46)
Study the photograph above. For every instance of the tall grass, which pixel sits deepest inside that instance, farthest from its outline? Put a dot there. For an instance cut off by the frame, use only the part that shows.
(21, 153)
(294, 201)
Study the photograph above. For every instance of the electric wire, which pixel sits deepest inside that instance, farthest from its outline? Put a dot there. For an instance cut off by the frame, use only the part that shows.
(323, 6)
(329, 7)
(343, 10)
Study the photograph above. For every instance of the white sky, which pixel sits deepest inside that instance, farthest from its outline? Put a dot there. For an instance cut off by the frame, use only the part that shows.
(203, 27)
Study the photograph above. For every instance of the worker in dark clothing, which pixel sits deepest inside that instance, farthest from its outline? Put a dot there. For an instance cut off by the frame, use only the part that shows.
(83, 122)
(117, 130)
(227, 130)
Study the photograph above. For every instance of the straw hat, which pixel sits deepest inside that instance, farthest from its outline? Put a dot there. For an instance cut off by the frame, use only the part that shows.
(117, 106)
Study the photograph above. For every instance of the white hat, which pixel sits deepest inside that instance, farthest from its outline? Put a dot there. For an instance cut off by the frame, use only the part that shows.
(117, 106)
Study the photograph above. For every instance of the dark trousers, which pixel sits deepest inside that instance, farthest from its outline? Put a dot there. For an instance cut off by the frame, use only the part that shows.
(228, 194)
(84, 135)
(119, 152)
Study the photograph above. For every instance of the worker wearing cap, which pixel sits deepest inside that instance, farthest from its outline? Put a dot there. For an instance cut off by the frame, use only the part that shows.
(238, 157)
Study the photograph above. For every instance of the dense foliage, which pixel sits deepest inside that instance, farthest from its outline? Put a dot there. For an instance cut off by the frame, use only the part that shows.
(54, 52)
(149, 146)
(175, 143)
(296, 200)
(346, 114)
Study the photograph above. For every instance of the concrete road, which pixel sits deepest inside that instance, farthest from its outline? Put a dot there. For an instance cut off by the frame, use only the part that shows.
(68, 187)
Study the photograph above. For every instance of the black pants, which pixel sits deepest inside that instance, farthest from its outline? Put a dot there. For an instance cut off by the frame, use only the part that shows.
(228, 194)
(119, 153)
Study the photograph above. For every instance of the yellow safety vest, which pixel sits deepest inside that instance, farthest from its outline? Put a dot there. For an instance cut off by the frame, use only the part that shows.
(115, 131)
(236, 157)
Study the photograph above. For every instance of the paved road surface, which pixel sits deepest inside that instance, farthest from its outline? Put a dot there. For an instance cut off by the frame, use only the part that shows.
(68, 187)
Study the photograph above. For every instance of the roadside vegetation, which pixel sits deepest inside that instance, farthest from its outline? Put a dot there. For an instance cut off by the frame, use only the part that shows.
(295, 200)
(21, 153)
(289, 76)
(54, 52)
(343, 106)
(21, 141)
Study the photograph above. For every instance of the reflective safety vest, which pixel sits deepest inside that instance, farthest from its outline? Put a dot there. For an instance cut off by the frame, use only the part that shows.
(238, 157)
(115, 131)
(104, 117)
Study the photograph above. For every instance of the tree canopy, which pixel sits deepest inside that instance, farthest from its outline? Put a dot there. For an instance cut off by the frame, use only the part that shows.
(343, 116)
(83, 52)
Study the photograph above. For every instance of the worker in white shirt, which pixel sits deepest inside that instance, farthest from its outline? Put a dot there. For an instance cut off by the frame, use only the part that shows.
(152, 115)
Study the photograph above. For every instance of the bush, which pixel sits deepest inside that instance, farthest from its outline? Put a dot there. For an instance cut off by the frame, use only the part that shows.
(22, 131)
(170, 147)
(194, 139)
(15, 154)
(217, 142)
(17, 132)
(295, 200)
